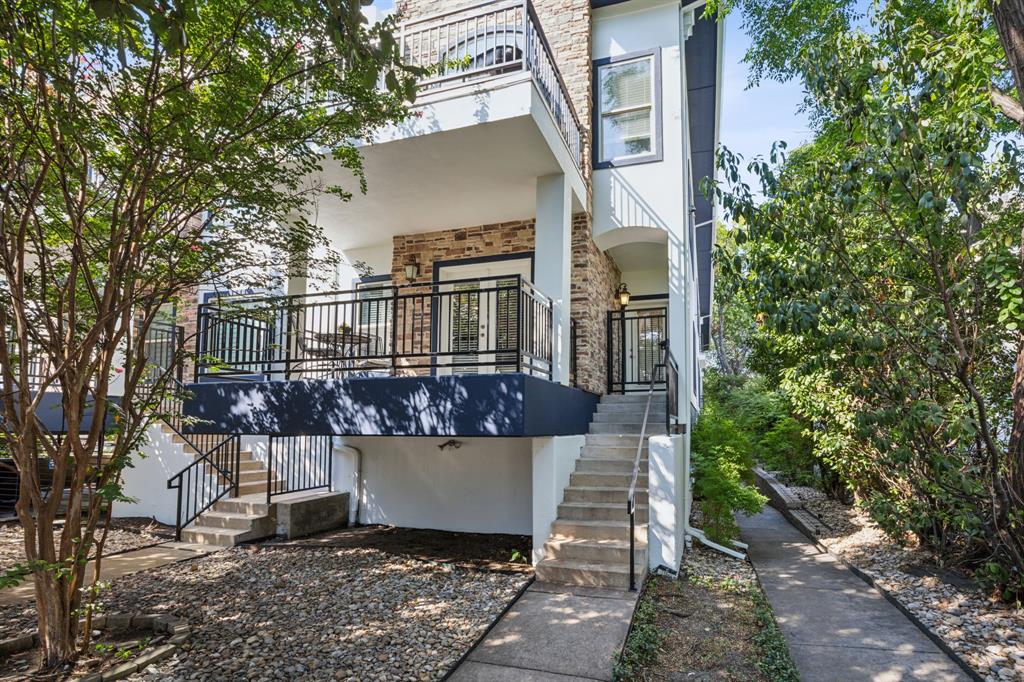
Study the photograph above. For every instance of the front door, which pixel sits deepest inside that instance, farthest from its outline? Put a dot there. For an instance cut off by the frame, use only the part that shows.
(479, 316)
(634, 348)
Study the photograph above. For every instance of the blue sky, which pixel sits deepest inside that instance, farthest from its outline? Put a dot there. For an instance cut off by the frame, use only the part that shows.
(753, 119)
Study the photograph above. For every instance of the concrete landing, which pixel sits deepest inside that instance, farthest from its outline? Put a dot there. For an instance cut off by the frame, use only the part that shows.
(554, 633)
(837, 626)
(118, 565)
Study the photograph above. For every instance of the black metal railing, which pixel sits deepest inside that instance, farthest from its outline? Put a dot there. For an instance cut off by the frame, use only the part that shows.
(631, 494)
(489, 39)
(213, 474)
(634, 347)
(671, 389)
(297, 463)
(573, 354)
(463, 326)
(39, 368)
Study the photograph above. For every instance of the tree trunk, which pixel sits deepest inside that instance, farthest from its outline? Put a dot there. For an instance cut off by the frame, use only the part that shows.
(58, 624)
(1009, 16)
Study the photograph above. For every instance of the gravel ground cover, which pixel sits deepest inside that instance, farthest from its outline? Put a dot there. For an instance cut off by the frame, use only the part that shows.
(274, 613)
(124, 534)
(989, 635)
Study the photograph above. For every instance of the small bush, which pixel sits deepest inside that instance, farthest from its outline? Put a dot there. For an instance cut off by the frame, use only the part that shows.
(722, 462)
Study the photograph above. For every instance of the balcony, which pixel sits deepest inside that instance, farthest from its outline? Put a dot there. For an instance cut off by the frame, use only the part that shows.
(469, 357)
(493, 116)
(468, 326)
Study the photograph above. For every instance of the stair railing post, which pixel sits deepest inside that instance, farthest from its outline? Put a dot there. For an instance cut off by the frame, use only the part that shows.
(177, 516)
(238, 464)
(270, 463)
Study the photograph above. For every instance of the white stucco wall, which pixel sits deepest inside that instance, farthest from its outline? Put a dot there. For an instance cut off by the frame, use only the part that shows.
(483, 486)
(554, 460)
(647, 194)
(667, 500)
(146, 481)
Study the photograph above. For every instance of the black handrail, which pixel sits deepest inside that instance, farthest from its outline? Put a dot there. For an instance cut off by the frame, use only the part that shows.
(631, 496)
(202, 483)
(396, 330)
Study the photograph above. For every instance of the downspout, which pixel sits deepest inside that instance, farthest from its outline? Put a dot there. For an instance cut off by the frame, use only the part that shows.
(689, 532)
(359, 478)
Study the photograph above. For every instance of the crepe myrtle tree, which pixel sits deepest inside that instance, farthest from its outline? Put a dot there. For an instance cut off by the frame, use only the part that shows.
(888, 253)
(149, 147)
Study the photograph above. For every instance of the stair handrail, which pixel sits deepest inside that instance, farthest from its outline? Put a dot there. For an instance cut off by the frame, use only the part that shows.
(170, 404)
(631, 495)
(205, 470)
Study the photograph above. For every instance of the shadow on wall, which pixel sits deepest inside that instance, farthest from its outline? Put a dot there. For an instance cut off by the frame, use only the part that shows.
(485, 405)
(628, 207)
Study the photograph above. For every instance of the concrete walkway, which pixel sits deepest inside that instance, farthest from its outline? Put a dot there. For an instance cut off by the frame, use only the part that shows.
(554, 633)
(122, 564)
(838, 627)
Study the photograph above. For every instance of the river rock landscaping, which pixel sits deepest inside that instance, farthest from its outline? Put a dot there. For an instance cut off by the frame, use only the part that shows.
(124, 534)
(986, 633)
(271, 613)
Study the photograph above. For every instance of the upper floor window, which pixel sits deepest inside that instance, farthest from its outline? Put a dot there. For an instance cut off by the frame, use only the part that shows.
(627, 117)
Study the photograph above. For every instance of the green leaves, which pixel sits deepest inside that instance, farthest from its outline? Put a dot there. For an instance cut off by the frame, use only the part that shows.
(884, 260)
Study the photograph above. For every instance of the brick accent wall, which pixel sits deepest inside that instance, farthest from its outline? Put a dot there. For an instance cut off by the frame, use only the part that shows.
(595, 278)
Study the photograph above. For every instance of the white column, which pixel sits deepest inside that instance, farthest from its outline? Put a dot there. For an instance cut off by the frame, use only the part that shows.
(666, 501)
(553, 263)
(554, 460)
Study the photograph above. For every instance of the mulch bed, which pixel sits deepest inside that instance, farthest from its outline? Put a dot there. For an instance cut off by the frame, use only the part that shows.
(466, 550)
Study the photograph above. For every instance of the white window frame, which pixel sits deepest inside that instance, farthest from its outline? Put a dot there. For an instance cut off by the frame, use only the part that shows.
(656, 153)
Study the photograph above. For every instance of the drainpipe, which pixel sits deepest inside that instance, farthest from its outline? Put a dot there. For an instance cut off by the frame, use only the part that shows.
(359, 478)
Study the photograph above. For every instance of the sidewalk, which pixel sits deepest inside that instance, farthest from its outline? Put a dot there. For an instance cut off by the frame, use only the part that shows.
(554, 633)
(837, 626)
(122, 564)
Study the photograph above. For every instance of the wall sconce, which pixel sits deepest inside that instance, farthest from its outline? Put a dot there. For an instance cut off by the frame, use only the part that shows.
(623, 295)
(412, 269)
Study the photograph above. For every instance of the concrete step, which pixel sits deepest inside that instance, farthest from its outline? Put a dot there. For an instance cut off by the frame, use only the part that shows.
(253, 476)
(233, 520)
(630, 417)
(612, 440)
(608, 466)
(658, 404)
(599, 530)
(603, 495)
(599, 511)
(257, 487)
(635, 397)
(561, 548)
(234, 505)
(612, 452)
(588, 574)
(654, 428)
(604, 479)
(224, 537)
(247, 465)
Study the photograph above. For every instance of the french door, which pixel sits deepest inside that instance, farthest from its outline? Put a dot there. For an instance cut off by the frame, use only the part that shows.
(478, 326)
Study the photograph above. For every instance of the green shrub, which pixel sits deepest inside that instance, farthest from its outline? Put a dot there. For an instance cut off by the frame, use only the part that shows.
(722, 463)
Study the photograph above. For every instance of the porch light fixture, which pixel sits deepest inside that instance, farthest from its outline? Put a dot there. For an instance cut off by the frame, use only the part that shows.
(623, 295)
(412, 269)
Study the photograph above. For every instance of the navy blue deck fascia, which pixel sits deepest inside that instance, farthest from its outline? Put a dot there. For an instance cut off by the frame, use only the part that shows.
(50, 413)
(500, 405)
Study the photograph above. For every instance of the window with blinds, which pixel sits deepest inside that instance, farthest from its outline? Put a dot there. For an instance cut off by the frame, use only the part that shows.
(373, 303)
(627, 108)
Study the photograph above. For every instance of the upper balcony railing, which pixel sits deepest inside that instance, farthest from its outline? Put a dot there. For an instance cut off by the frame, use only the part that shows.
(471, 326)
(489, 39)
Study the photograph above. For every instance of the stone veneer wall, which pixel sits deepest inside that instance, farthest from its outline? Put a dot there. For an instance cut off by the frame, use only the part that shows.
(593, 282)
(595, 278)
